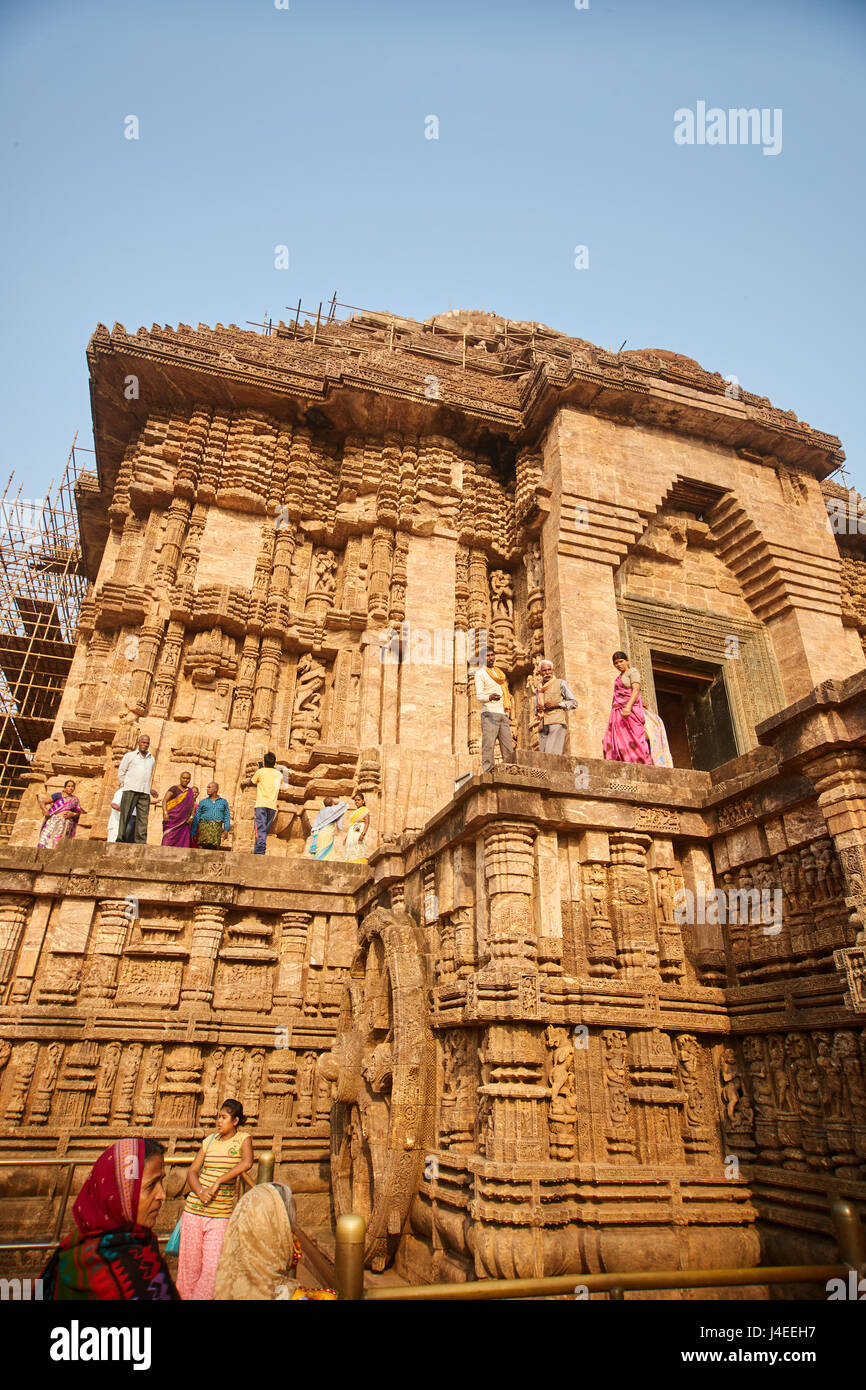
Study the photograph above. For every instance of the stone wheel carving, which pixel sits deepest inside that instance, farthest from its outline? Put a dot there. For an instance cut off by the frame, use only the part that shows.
(382, 1062)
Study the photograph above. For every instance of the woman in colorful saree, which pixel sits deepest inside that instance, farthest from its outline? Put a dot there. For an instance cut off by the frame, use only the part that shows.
(325, 826)
(61, 816)
(355, 851)
(260, 1253)
(625, 739)
(113, 1253)
(178, 808)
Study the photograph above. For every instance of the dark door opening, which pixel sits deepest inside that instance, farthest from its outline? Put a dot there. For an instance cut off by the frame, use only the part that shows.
(693, 705)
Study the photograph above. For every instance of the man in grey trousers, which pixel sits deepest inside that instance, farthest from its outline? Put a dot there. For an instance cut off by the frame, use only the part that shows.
(491, 688)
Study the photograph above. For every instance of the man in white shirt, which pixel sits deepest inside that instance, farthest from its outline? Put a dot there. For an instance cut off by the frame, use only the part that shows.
(491, 688)
(135, 775)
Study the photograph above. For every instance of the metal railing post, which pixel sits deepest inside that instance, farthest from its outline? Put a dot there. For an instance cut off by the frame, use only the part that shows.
(266, 1167)
(849, 1233)
(349, 1257)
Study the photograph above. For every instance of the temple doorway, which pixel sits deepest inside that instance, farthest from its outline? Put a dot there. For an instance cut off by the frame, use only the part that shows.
(692, 701)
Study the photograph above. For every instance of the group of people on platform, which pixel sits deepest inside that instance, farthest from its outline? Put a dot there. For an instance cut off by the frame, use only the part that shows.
(634, 734)
(228, 1248)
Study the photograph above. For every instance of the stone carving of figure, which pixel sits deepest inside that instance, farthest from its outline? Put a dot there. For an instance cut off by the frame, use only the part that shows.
(532, 564)
(326, 572)
(306, 1083)
(107, 1077)
(210, 1084)
(689, 1054)
(129, 1076)
(234, 1071)
(809, 874)
(146, 1100)
(257, 1062)
(665, 896)
(821, 853)
(5, 1053)
(845, 1053)
(804, 1077)
(501, 594)
(254, 1083)
(784, 1099)
(310, 684)
(563, 1100)
(42, 1104)
(834, 875)
(832, 1077)
(733, 1091)
(762, 1087)
(790, 877)
(616, 1076)
(764, 876)
(25, 1065)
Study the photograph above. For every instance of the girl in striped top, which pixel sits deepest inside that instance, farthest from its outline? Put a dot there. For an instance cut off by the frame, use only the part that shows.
(220, 1160)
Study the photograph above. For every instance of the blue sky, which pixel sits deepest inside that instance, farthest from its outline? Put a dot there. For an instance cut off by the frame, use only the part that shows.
(305, 126)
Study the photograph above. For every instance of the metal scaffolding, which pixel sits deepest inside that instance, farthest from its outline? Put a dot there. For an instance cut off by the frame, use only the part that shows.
(42, 585)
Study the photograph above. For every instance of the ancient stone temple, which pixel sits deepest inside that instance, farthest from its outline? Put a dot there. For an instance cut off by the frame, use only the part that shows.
(573, 1014)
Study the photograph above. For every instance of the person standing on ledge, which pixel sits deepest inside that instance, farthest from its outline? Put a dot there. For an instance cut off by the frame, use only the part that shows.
(491, 688)
(212, 821)
(625, 739)
(135, 775)
(178, 806)
(267, 781)
(552, 698)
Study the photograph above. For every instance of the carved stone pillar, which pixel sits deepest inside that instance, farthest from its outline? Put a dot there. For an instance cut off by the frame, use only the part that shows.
(177, 521)
(192, 453)
(656, 1097)
(478, 605)
(208, 925)
(267, 679)
(619, 1120)
(41, 1107)
(165, 683)
(397, 607)
(508, 871)
(77, 1085)
(243, 701)
(149, 639)
(98, 649)
(126, 1088)
(13, 918)
(125, 566)
(323, 586)
(380, 574)
(180, 1090)
(294, 929)
(636, 943)
(513, 1095)
(109, 938)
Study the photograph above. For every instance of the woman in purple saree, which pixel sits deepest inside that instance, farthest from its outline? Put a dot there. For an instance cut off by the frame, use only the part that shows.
(625, 739)
(178, 808)
(61, 816)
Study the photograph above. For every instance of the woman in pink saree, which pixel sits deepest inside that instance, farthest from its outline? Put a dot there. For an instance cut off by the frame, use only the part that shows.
(625, 739)
(61, 816)
(178, 808)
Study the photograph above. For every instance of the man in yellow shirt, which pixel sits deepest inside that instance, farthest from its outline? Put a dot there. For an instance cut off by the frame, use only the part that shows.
(267, 781)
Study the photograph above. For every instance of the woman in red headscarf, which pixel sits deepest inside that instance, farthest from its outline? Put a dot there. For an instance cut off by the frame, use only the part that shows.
(113, 1253)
